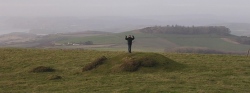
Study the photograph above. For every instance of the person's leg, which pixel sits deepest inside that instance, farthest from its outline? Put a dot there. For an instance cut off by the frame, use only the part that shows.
(129, 48)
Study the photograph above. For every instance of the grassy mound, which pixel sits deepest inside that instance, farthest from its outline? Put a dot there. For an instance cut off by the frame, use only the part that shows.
(132, 64)
(143, 62)
(94, 64)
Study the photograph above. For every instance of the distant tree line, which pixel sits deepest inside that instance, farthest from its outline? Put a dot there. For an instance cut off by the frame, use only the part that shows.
(176, 29)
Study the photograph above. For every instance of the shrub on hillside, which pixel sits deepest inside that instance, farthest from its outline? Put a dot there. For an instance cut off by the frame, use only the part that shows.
(94, 64)
(42, 69)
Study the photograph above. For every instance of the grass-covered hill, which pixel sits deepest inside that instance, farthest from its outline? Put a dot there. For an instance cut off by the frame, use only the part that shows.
(61, 70)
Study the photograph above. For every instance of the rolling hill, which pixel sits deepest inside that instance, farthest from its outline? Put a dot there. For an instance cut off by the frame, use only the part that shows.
(151, 39)
(61, 71)
(160, 42)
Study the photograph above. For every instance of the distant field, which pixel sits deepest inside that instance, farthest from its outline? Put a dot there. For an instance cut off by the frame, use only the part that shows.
(144, 42)
(202, 73)
(161, 42)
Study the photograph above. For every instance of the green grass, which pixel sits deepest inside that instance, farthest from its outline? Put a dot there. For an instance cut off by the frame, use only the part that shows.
(202, 73)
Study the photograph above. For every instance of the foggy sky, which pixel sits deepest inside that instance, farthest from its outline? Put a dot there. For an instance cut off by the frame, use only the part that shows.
(227, 8)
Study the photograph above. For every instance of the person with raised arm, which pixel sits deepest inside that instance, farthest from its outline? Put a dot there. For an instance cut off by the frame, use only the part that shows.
(129, 39)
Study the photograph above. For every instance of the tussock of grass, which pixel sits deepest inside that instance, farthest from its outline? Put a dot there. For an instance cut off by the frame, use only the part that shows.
(94, 64)
(42, 69)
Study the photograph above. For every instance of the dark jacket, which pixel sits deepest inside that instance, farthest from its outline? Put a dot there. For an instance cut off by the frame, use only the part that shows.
(129, 39)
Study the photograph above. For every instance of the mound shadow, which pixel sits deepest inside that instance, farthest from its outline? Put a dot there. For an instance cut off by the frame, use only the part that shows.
(135, 62)
(40, 69)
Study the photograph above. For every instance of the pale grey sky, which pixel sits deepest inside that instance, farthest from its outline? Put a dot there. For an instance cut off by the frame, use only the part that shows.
(235, 8)
(182, 12)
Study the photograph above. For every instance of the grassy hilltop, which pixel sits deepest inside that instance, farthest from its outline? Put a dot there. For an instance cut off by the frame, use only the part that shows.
(195, 73)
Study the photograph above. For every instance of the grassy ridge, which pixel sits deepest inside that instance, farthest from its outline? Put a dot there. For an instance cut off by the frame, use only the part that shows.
(204, 73)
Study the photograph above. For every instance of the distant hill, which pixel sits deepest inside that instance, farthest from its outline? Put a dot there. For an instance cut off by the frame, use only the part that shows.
(214, 39)
(202, 39)
(23, 39)
(87, 33)
(17, 37)
(185, 30)
(52, 25)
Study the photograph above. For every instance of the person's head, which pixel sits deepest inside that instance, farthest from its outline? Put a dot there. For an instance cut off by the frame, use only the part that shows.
(129, 35)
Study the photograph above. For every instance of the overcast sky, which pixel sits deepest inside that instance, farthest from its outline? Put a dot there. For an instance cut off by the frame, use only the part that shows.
(237, 8)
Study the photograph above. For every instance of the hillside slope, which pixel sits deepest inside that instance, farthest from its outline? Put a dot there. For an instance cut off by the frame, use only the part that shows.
(202, 73)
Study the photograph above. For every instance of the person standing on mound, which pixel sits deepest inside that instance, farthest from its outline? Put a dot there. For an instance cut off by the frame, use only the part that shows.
(129, 39)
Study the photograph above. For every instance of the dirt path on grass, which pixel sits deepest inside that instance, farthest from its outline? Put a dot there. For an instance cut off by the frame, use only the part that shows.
(229, 40)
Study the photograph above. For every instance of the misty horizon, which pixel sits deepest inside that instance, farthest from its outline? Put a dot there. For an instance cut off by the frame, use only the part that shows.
(120, 14)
